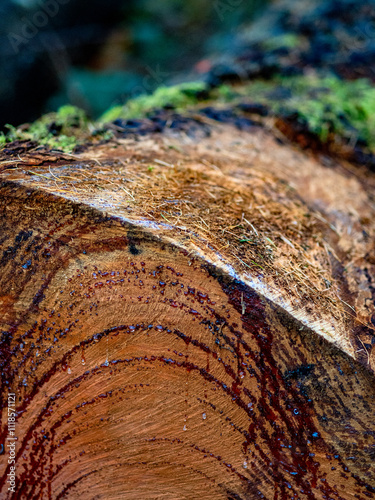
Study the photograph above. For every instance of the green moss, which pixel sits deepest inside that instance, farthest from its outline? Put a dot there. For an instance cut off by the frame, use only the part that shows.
(61, 130)
(3, 139)
(285, 40)
(179, 96)
(224, 93)
(327, 105)
(71, 116)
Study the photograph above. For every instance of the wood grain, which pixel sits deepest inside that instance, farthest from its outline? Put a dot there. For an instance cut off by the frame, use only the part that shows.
(145, 369)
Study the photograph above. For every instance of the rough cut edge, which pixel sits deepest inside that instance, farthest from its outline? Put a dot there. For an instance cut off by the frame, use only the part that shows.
(322, 328)
(337, 331)
(332, 333)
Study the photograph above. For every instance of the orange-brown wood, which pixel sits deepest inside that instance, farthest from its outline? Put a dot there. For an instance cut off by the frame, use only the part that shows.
(160, 338)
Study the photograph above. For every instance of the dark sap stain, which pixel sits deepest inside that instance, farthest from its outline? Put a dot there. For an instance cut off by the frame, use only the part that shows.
(133, 249)
(296, 426)
(233, 496)
(23, 236)
(299, 373)
(133, 242)
(11, 251)
(71, 485)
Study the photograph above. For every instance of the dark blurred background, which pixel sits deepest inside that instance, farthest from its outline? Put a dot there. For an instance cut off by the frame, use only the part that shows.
(95, 54)
(99, 53)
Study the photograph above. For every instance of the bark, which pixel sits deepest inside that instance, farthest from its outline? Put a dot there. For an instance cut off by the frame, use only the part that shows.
(187, 318)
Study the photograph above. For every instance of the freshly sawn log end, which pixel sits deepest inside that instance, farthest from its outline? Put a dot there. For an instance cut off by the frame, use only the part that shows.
(174, 325)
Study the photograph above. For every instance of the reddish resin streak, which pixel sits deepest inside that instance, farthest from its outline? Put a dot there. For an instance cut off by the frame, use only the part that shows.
(279, 405)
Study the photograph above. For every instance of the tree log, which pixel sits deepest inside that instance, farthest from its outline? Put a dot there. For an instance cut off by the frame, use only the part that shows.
(187, 319)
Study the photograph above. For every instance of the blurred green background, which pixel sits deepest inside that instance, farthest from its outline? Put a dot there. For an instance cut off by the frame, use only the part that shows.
(100, 53)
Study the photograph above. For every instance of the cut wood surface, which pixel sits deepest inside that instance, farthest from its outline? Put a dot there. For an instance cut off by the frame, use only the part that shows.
(188, 318)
